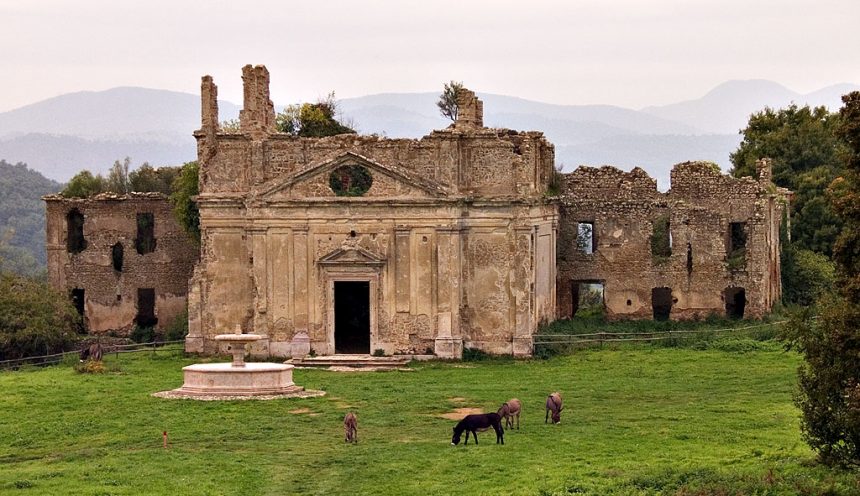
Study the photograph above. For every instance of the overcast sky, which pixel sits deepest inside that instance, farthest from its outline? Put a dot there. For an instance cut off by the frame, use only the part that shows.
(623, 52)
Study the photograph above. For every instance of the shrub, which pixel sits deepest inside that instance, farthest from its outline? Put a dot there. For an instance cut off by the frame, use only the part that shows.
(34, 319)
(806, 276)
(142, 334)
(90, 367)
(475, 355)
(379, 352)
(177, 329)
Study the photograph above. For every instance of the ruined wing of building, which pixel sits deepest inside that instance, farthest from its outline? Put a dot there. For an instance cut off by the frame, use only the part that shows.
(467, 237)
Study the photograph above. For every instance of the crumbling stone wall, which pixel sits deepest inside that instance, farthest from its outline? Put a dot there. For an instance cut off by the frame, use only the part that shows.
(109, 269)
(700, 208)
(455, 236)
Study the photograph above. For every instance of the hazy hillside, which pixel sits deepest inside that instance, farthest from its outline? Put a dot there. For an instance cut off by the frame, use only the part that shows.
(89, 130)
(22, 217)
(63, 135)
(726, 108)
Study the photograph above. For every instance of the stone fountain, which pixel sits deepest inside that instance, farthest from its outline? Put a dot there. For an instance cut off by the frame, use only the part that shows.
(238, 379)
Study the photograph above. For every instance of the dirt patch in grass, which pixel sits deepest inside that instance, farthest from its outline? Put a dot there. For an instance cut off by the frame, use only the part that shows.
(459, 413)
(457, 399)
(299, 411)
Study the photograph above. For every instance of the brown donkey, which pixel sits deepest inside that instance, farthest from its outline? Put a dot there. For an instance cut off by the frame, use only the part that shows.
(350, 426)
(509, 410)
(553, 405)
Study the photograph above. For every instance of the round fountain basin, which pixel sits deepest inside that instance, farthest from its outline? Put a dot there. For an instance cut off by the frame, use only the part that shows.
(254, 379)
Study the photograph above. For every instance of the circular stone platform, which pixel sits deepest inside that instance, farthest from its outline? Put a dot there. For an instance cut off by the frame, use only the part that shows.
(256, 380)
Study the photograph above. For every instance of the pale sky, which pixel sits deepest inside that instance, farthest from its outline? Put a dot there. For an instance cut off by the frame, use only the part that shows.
(621, 52)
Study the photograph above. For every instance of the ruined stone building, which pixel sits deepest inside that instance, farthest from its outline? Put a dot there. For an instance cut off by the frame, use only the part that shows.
(123, 259)
(465, 238)
(710, 245)
(367, 243)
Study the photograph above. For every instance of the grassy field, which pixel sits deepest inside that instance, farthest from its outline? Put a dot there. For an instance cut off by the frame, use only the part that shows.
(637, 420)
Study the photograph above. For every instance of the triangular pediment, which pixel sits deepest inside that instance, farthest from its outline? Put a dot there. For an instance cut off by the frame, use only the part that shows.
(390, 180)
(352, 255)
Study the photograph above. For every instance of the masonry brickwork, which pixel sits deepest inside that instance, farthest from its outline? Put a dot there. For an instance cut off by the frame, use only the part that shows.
(465, 238)
(454, 237)
(93, 255)
(703, 273)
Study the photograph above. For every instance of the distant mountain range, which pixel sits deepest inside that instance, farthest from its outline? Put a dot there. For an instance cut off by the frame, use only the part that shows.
(62, 135)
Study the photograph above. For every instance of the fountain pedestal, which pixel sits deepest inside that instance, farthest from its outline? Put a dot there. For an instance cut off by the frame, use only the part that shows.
(237, 379)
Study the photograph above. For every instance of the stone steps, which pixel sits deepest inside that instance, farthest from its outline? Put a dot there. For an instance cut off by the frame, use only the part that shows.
(352, 361)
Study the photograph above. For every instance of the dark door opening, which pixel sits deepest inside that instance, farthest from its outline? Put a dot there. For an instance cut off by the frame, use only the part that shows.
(661, 303)
(146, 308)
(78, 300)
(352, 317)
(736, 302)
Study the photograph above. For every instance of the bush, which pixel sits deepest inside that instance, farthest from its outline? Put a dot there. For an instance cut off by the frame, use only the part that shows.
(34, 319)
(90, 367)
(142, 334)
(178, 329)
(806, 276)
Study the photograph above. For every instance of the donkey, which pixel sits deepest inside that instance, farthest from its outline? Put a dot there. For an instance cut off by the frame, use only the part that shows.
(508, 411)
(92, 352)
(479, 422)
(553, 405)
(350, 427)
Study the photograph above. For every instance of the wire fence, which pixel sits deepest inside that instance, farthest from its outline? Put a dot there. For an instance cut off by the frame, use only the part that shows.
(625, 337)
(117, 349)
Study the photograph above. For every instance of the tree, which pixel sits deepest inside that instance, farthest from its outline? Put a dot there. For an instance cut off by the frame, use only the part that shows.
(185, 187)
(806, 152)
(149, 179)
(448, 100)
(829, 379)
(34, 319)
(84, 184)
(312, 119)
(117, 180)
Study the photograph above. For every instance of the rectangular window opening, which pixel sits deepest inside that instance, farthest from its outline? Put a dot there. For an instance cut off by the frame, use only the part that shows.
(586, 237)
(146, 308)
(661, 237)
(736, 249)
(75, 240)
(145, 240)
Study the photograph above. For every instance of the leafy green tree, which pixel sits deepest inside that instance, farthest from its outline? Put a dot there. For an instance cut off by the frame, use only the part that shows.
(312, 119)
(117, 180)
(150, 179)
(829, 380)
(807, 276)
(448, 100)
(84, 184)
(806, 157)
(185, 187)
(34, 319)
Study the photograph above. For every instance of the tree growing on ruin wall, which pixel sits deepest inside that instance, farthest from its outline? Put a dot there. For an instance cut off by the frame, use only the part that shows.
(448, 100)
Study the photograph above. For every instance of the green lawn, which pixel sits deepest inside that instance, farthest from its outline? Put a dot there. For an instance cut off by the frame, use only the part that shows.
(639, 420)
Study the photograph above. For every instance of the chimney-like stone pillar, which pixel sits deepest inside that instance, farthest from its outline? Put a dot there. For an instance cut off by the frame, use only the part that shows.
(257, 116)
(470, 112)
(208, 105)
(764, 168)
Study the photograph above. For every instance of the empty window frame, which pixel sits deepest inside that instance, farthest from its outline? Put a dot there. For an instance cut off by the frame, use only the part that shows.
(78, 297)
(117, 256)
(586, 237)
(145, 241)
(75, 241)
(661, 237)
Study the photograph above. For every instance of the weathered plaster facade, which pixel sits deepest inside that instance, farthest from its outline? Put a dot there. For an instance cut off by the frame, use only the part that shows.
(453, 244)
(466, 237)
(94, 249)
(700, 208)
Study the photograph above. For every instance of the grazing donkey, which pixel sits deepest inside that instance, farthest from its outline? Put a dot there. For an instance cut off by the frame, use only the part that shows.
(509, 410)
(350, 426)
(92, 352)
(479, 422)
(553, 405)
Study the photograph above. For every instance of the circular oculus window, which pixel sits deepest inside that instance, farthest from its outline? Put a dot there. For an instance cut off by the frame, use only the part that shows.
(350, 180)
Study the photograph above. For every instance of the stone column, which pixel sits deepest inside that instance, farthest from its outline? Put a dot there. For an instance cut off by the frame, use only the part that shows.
(449, 342)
